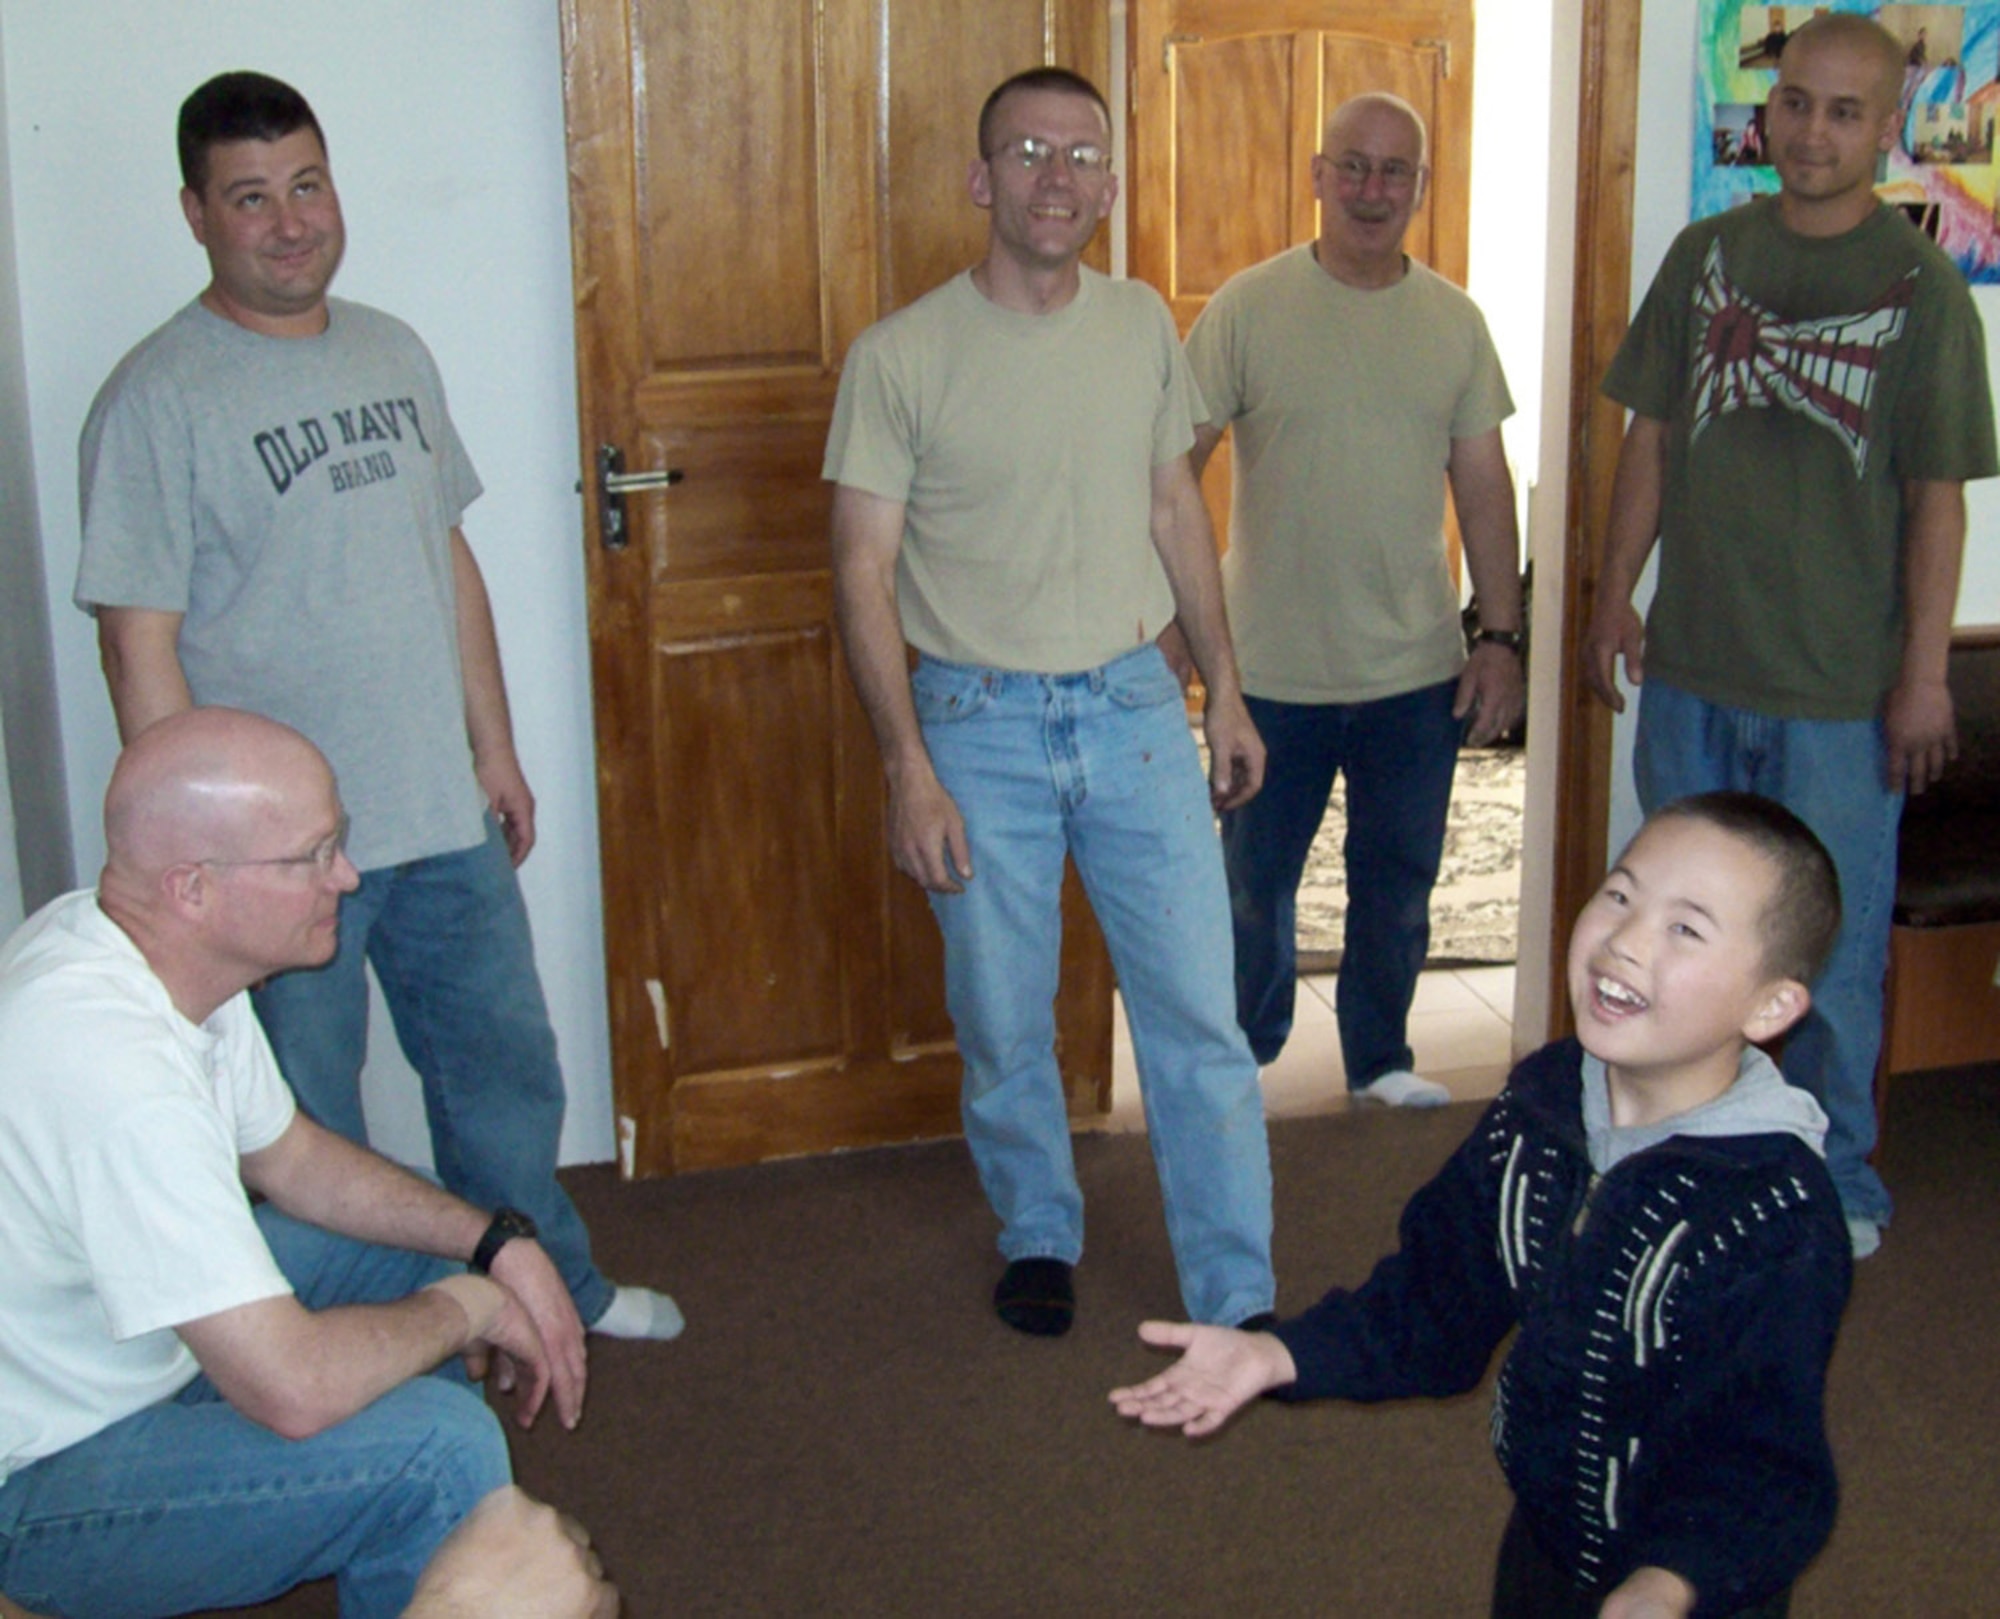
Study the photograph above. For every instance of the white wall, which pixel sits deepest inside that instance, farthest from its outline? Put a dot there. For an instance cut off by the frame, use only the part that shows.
(1662, 185)
(445, 126)
(35, 855)
(1510, 205)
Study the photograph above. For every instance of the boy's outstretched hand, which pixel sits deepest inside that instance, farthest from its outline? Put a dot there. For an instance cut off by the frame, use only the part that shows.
(1220, 1371)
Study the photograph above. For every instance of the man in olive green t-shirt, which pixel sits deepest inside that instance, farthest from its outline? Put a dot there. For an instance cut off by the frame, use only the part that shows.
(1807, 377)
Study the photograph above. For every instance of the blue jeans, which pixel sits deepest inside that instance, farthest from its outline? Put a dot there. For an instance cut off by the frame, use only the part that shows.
(188, 1504)
(1398, 754)
(1100, 765)
(448, 937)
(1830, 773)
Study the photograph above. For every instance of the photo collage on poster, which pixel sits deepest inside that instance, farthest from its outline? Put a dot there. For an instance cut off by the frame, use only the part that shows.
(1941, 170)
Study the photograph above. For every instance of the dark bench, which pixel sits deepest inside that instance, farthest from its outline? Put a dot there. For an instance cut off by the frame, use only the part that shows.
(1942, 1006)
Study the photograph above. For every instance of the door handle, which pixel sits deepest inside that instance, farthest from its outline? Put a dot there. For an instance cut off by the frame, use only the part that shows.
(614, 483)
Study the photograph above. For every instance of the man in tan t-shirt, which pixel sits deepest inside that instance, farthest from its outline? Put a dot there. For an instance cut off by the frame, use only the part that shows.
(1357, 385)
(1015, 502)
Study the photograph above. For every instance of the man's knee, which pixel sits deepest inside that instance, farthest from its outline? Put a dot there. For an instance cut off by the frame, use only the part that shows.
(456, 1451)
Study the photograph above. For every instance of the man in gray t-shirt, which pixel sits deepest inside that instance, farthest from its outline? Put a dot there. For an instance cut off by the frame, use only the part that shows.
(272, 490)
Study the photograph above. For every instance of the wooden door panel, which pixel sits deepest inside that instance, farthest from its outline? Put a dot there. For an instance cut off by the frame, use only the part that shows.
(728, 181)
(758, 505)
(1231, 96)
(752, 184)
(932, 231)
(751, 924)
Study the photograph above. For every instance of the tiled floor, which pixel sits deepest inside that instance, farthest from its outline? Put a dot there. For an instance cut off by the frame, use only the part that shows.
(1460, 1028)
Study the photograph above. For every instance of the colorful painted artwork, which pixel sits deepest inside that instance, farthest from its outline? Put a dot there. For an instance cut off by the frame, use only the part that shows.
(1941, 171)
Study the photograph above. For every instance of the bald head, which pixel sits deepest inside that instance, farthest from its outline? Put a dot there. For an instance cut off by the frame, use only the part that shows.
(1852, 32)
(223, 863)
(1376, 108)
(203, 785)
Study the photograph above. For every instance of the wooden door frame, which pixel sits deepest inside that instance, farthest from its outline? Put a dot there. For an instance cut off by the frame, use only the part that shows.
(1600, 304)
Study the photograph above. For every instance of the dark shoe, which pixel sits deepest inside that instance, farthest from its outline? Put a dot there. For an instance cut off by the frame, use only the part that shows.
(1262, 1321)
(1036, 1296)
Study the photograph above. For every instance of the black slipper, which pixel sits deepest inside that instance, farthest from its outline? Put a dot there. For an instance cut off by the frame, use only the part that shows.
(1036, 1296)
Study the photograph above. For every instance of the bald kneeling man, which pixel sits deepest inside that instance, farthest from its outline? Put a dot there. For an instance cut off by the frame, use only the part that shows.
(202, 1403)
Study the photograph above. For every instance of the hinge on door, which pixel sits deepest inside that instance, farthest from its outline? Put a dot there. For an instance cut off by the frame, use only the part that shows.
(656, 993)
(1443, 48)
(1167, 48)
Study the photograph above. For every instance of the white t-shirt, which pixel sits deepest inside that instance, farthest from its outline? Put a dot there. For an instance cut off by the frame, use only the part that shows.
(122, 1213)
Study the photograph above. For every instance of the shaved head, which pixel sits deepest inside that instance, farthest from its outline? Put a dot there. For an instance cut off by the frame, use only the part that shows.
(1376, 104)
(201, 785)
(223, 862)
(1849, 30)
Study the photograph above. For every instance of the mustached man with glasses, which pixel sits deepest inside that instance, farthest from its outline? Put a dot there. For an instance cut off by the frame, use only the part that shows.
(272, 490)
(204, 1404)
(1357, 385)
(1014, 501)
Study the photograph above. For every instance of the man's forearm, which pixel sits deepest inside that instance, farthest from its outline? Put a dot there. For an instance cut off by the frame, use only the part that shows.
(867, 533)
(326, 1180)
(488, 721)
(1933, 555)
(139, 648)
(300, 1371)
(879, 666)
(1482, 489)
(1186, 545)
(1637, 491)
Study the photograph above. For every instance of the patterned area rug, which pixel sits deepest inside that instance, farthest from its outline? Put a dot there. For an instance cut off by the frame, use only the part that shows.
(1475, 906)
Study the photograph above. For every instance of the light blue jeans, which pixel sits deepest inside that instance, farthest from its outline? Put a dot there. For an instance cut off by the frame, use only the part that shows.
(1100, 765)
(188, 1505)
(1398, 755)
(1829, 773)
(448, 937)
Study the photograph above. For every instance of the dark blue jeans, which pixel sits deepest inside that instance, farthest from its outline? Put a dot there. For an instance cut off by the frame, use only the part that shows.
(1398, 754)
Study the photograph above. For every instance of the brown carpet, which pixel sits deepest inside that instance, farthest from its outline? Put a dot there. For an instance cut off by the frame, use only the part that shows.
(846, 1430)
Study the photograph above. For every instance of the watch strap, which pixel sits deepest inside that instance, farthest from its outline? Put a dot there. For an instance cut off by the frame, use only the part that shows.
(507, 1224)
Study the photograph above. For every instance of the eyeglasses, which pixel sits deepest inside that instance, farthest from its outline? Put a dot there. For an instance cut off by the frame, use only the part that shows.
(1354, 172)
(1034, 155)
(323, 856)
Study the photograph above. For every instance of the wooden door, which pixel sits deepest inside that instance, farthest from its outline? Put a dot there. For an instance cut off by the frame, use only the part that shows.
(752, 184)
(1228, 99)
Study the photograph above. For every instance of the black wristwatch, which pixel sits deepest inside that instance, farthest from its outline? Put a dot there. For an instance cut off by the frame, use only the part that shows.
(507, 1225)
(1510, 639)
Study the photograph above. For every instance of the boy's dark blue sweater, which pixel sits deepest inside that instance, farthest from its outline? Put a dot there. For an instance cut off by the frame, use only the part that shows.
(1664, 1400)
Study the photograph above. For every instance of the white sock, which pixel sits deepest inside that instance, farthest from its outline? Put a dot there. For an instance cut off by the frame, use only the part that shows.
(639, 1312)
(1401, 1088)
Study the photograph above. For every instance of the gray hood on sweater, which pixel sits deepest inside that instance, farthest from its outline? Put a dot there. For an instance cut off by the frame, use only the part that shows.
(1759, 1103)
